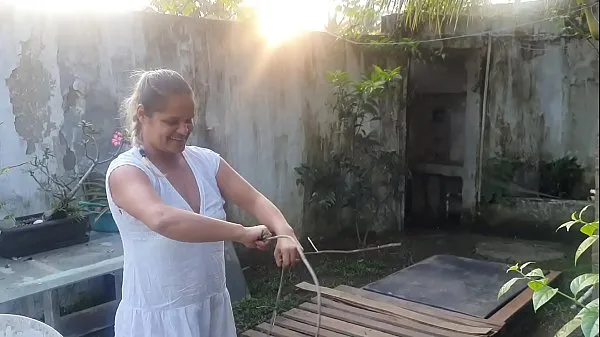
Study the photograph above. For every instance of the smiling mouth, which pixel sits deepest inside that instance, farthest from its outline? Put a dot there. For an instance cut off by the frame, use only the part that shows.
(177, 139)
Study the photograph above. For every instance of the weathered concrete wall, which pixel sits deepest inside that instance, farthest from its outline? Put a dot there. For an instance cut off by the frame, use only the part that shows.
(532, 218)
(262, 109)
(544, 96)
(543, 102)
(266, 110)
(542, 99)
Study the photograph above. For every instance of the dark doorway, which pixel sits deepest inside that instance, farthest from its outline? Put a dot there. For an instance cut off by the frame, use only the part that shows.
(435, 143)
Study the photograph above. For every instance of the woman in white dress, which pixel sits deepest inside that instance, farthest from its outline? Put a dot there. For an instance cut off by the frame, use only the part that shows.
(167, 201)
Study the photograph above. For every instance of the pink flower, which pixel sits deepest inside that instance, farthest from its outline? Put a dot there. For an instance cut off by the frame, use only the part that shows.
(117, 138)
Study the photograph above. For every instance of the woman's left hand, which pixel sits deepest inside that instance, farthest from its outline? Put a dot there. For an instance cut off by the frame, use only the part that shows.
(286, 252)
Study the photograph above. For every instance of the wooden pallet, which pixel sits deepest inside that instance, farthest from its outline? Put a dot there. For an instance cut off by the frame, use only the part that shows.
(348, 311)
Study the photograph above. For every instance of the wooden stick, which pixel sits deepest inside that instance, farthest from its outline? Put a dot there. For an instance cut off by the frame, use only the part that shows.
(389, 245)
(312, 274)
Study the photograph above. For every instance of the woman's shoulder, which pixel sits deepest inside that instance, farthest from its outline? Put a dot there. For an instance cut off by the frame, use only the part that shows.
(202, 152)
(131, 157)
(204, 156)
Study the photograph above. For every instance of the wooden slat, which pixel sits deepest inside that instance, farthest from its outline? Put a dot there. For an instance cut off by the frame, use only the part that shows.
(387, 308)
(424, 309)
(305, 328)
(278, 331)
(519, 302)
(401, 322)
(366, 322)
(333, 324)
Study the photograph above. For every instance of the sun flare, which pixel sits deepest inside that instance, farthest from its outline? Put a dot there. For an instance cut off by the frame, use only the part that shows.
(278, 20)
(281, 20)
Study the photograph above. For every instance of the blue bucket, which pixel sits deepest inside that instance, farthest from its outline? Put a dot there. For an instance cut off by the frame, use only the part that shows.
(100, 220)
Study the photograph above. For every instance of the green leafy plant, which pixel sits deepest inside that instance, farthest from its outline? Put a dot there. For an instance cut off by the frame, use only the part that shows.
(498, 173)
(560, 177)
(587, 317)
(217, 9)
(362, 176)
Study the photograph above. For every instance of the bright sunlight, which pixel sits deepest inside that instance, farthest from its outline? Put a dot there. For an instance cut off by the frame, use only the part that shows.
(278, 20)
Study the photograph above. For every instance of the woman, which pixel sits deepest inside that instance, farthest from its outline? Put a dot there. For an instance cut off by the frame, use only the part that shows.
(167, 201)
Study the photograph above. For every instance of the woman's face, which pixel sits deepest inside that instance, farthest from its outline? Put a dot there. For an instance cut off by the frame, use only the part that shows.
(168, 131)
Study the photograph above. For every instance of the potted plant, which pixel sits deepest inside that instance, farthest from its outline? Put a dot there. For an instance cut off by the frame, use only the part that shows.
(65, 223)
(95, 200)
(96, 203)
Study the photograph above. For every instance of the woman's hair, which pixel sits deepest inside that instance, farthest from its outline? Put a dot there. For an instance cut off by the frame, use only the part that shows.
(152, 90)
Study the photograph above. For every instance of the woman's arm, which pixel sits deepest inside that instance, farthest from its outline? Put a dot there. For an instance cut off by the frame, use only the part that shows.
(132, 192)
(237, 189)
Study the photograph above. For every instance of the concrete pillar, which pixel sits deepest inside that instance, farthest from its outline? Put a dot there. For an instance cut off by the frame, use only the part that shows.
(472, 132)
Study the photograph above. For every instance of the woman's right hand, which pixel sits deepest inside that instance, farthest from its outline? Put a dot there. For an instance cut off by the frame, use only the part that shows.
(254, 237)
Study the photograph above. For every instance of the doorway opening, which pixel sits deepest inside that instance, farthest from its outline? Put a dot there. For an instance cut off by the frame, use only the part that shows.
(435, 121)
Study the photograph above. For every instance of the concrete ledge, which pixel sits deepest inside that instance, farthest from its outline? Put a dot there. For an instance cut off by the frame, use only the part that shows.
(531, 218)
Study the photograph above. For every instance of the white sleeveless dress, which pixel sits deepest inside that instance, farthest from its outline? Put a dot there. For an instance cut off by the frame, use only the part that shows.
(173, 288)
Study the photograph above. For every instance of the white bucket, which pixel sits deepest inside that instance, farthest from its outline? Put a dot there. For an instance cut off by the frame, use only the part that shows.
(22, 326)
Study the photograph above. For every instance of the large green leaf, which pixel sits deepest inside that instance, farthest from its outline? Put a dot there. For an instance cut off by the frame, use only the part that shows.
(568, 328)
(506, 287)
(536, 285)
(583, 281)
(589, 321)
(513, 268)
(587, 243)
(583, 211)
(542, 296)
(568, 224)
(525, 265)
(535, 273)
(589, 229)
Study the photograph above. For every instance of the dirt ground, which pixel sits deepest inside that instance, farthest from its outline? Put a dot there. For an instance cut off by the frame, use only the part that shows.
(360, 269)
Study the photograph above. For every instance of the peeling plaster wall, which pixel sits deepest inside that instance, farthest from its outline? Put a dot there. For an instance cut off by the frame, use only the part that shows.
(543, 102)
(30, 103)
(262, 108)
